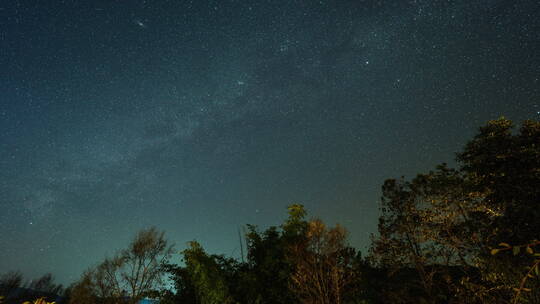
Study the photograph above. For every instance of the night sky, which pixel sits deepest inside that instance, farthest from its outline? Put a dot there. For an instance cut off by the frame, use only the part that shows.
(201, 116)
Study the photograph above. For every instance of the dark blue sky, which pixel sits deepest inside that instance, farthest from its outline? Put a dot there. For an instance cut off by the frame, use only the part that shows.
(201, 116)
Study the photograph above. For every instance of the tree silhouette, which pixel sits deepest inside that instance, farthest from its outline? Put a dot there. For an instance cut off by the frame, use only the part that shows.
(130, 274)
(323, 264)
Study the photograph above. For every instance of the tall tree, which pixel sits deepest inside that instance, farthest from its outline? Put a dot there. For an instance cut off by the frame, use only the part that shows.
(505, 166)
(130, 274)
(422, 228)
(184, 290)
(323, 265)
(267, 256)
(206, 276)
(449, 219)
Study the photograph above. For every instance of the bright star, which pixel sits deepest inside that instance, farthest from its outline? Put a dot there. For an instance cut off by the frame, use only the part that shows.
(140, 23)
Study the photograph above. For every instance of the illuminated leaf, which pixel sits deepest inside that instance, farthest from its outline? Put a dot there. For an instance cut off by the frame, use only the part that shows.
(494, 251)
(515, 250)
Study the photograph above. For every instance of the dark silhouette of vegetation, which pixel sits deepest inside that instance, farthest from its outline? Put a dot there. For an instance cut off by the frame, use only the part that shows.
(452, 235)
(13, 289)
(10, 282)
(323, 261)
(208, 279)
(128, 276)
(439, 228)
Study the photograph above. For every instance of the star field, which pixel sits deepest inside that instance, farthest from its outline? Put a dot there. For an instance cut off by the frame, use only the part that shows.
(202, 116)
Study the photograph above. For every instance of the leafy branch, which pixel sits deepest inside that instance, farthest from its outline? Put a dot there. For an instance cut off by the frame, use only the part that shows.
(532, 270)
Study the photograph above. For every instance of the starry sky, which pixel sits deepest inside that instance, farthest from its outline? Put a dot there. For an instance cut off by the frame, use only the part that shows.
(201, 116)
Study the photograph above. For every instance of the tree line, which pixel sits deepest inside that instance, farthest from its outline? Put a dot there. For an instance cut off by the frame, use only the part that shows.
(452, 235)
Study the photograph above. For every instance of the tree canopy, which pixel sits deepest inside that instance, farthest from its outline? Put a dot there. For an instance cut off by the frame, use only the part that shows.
(451, 235)
(442, 225)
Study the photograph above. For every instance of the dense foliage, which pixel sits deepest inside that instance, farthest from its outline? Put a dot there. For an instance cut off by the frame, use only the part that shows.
(452, 235)
(439, 229)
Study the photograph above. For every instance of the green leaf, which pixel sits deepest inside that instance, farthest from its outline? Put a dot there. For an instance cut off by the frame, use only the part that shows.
(515, 250)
